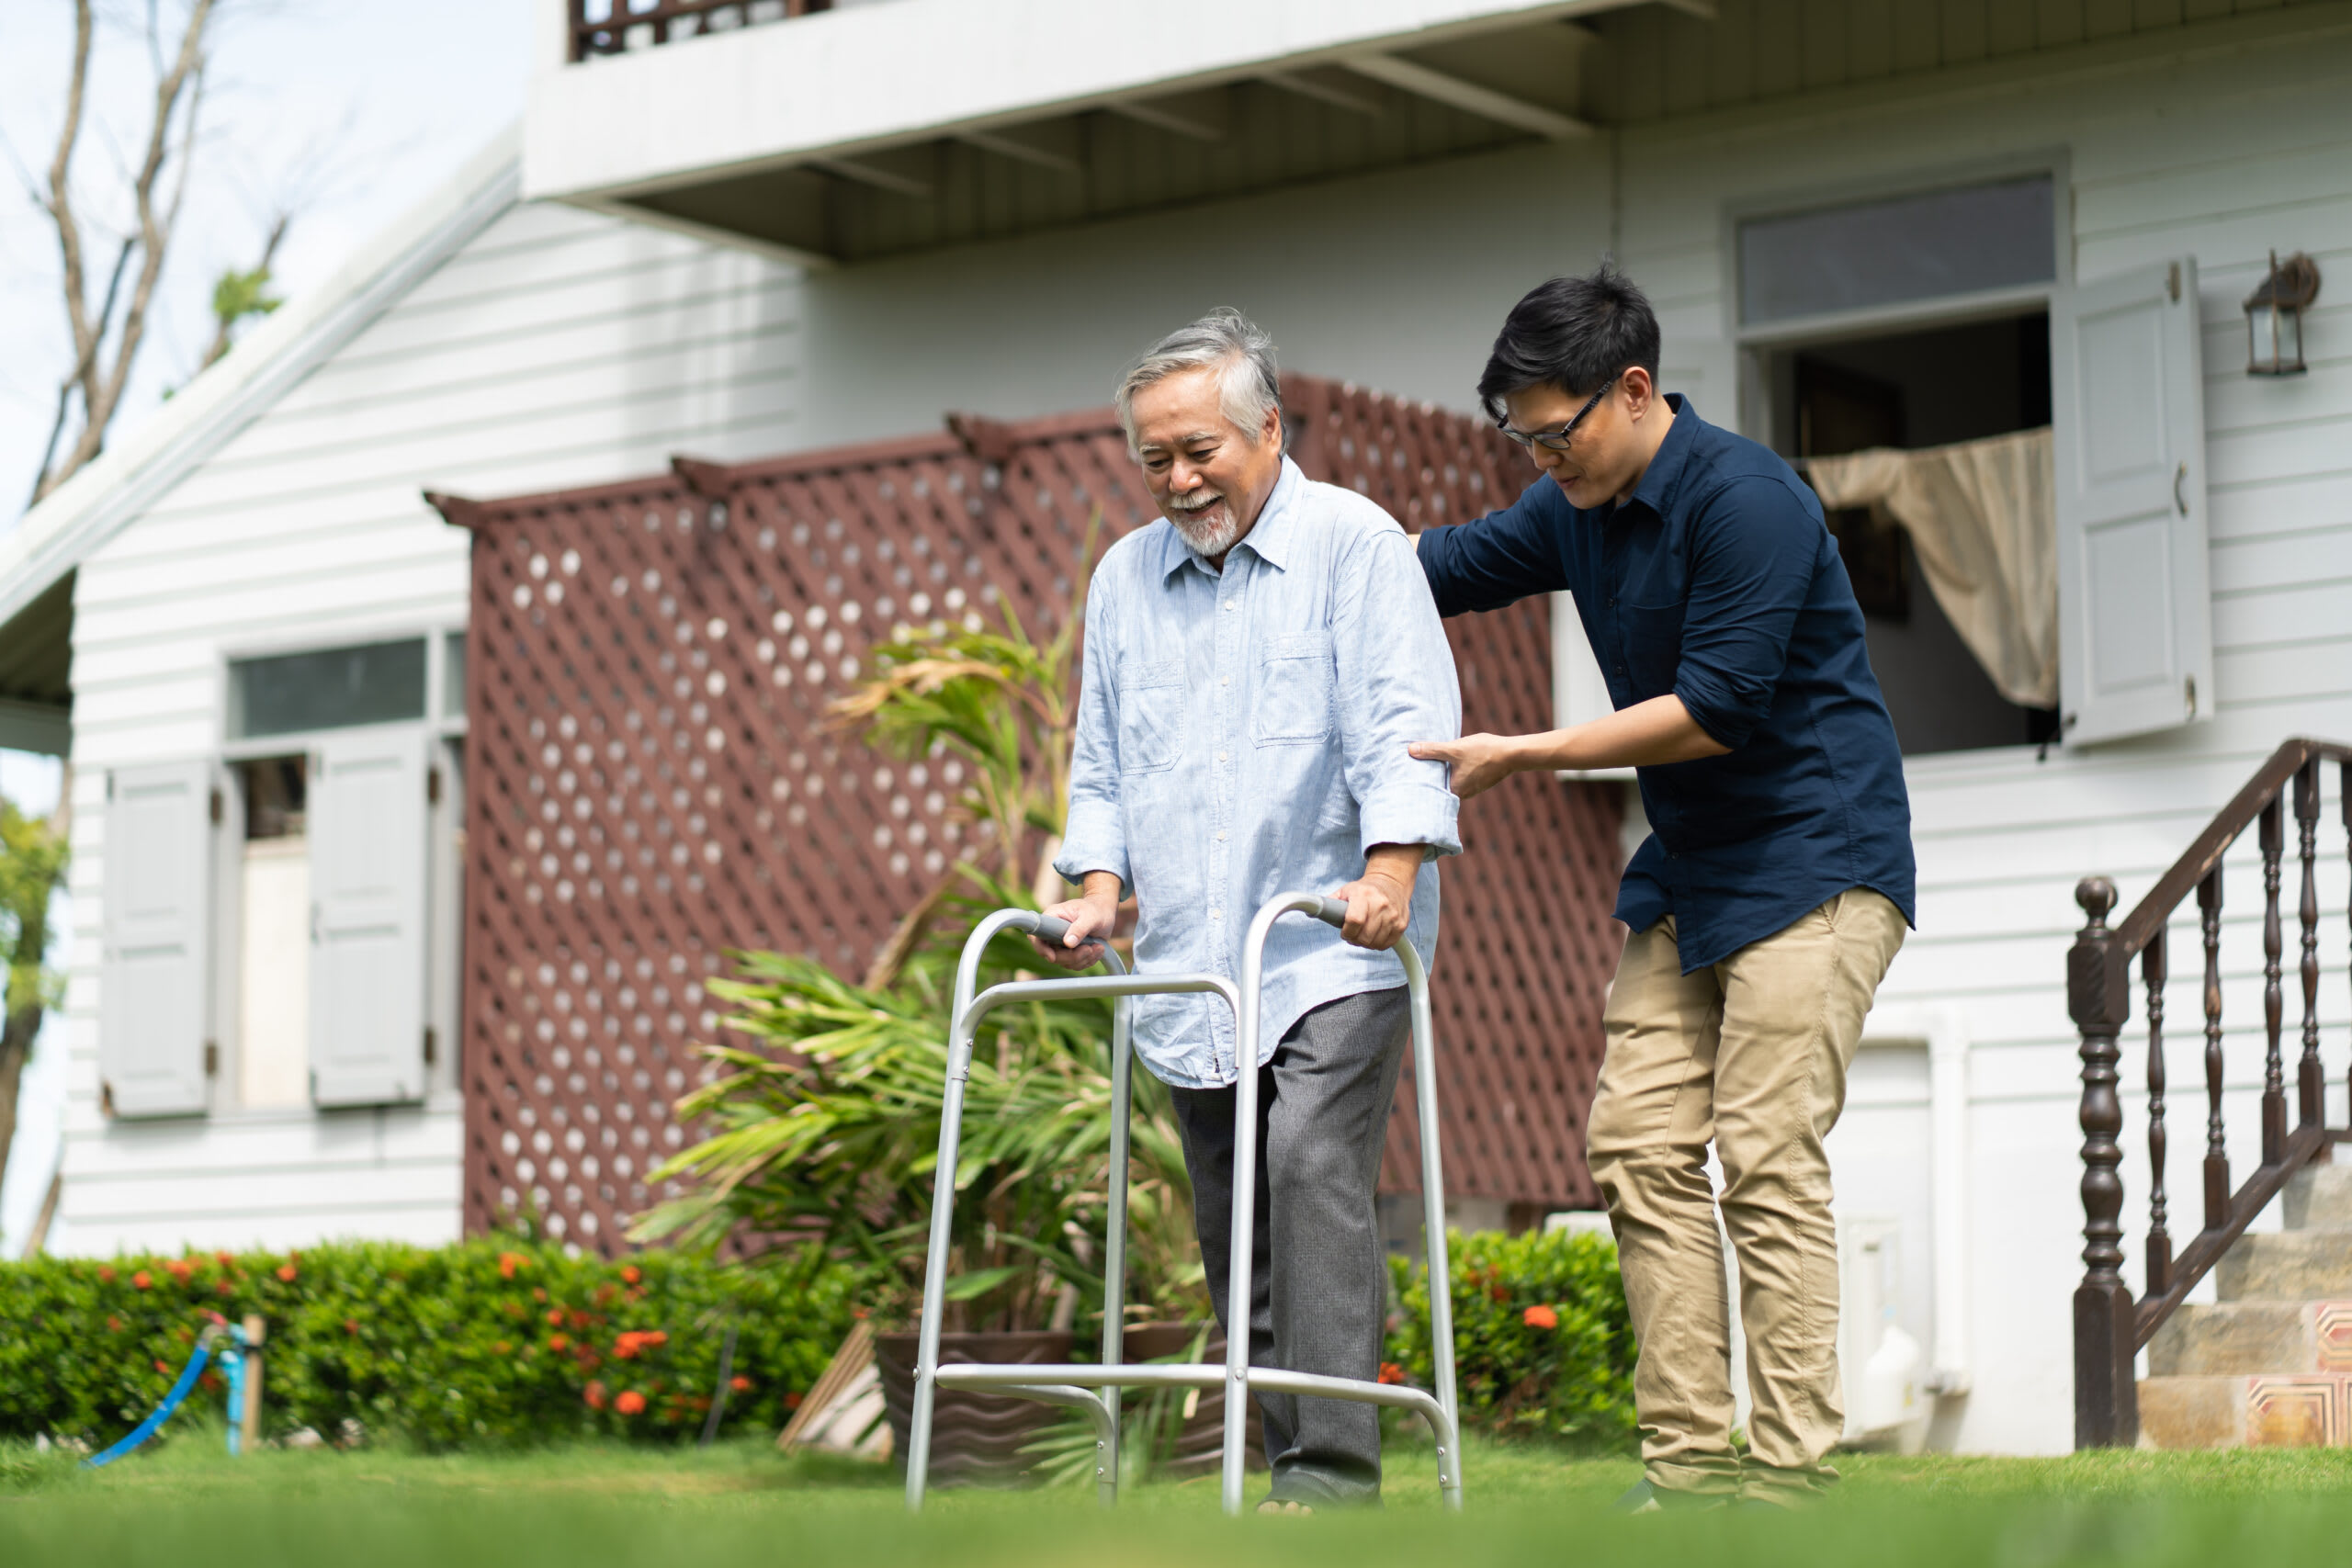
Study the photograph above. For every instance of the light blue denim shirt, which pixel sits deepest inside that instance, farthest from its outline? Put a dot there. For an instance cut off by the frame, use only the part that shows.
(1242, 735)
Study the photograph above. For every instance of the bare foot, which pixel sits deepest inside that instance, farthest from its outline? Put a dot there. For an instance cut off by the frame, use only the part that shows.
(1275, 1505)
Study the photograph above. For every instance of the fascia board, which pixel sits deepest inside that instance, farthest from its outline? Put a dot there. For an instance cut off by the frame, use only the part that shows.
(133, 474)
(874, 76)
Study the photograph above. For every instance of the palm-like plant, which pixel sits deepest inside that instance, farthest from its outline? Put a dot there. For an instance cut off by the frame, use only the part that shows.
(827, 1123)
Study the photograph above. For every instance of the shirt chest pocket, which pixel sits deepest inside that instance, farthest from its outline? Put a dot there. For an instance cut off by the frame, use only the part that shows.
(1151, 716)
(1292, 704)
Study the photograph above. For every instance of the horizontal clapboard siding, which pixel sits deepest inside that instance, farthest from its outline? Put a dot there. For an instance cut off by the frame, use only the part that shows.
(555, 349)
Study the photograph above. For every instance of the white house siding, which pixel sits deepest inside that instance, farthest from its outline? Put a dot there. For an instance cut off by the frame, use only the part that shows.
(2217, 139)
(555, 349)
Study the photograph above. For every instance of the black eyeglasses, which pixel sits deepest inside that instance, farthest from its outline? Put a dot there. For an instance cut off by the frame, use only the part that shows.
(1557, 440)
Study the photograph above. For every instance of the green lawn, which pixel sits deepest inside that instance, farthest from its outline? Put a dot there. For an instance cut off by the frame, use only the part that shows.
(189, 1505)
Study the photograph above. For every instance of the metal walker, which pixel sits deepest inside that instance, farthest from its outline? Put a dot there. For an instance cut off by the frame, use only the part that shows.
(1094, 1388)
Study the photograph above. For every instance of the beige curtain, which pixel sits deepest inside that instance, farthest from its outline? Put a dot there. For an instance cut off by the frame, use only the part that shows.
(1982, 516)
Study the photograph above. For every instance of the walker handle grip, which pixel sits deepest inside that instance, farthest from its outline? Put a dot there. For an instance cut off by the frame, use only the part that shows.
(1333, 912)
(1050, 930)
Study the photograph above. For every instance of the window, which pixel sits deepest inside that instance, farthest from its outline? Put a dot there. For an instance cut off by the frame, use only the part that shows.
(381, 682)
(453, 678)
(1869, 254)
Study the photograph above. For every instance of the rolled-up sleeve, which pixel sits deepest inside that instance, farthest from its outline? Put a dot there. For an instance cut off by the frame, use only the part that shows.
(1094, 835)
(1752, 566)
(1395, 685)
(1499, 559)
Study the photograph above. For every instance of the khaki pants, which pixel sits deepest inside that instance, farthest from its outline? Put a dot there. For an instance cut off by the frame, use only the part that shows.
(1749, 1055)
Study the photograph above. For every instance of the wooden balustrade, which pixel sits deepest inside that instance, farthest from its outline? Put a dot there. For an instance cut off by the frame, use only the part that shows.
(616, 26)
(2110, 1325)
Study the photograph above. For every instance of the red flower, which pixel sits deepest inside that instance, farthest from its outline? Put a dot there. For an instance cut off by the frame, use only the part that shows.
(508, 1262)
(160, 1368)
(503, 1348)
(594, 1395)
(142, 1280)
(740, 1383)
(179, 1269)
(221, 1287)
(1391, 1372)
(223, 1259)
(792, 1400)
(1540, 1317)
(114, 1324)
(286, 1271)
(555, 1316)
(625, 1348)
(351, 1325)
(538, 1293)
(106, 1275)
(557, 1342)
(632, 1273)
(631, 1402)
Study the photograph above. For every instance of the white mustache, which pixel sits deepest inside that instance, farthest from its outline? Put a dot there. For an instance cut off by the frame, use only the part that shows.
(1199, 501)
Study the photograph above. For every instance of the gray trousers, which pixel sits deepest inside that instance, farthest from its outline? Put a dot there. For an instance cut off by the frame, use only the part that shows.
(1319, 1284)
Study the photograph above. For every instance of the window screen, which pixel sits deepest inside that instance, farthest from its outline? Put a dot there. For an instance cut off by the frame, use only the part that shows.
(1885, 252)
(377, 684)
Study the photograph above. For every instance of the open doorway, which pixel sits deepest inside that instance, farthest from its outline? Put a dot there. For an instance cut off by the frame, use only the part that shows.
(1915, 389)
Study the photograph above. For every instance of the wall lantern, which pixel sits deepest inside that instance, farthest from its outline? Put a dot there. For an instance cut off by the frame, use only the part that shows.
(2274, 316)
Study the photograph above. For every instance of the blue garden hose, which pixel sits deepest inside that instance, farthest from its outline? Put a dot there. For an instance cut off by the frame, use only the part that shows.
(231, 1358)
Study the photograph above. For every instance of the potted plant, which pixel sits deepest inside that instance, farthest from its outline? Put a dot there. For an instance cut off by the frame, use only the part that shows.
(825, 1120)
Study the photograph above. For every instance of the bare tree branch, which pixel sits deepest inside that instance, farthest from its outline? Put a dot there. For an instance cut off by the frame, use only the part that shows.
(101, 387)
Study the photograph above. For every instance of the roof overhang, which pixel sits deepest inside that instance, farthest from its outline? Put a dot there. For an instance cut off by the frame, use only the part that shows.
(762, 133)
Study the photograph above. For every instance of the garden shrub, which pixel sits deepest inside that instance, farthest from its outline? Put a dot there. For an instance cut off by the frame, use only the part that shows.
(1542, 1344)
(493, 1342)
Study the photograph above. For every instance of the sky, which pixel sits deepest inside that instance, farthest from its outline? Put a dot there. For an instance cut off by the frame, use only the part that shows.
(349, 113)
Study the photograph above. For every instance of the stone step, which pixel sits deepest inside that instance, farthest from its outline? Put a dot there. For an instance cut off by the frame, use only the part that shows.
(2314, 1411)
(2318, 1197)
(2250, 1339)
(2287, 1266)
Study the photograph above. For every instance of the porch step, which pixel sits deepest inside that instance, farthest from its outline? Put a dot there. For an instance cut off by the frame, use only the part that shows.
(2287, 1266)
(2269, 1365)
(2314, 1411)
(2318, 1197)
(2254, 1338)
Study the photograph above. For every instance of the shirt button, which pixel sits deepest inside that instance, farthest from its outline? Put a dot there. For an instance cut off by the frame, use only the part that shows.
(1228, 604)
(1220, 838)
(1216, 914)
(1621, 670)
(1225, 680)
(1220, 756)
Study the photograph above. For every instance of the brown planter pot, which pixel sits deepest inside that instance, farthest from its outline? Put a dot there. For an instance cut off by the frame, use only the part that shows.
(977, 1438)
(1200, 1446)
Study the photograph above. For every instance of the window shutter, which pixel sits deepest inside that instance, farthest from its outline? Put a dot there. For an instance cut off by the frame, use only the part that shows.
(2135, 612)
(366, 816)
(154, 977)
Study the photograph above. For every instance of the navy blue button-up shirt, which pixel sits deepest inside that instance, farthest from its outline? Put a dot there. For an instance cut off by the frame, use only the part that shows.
(1717, 581)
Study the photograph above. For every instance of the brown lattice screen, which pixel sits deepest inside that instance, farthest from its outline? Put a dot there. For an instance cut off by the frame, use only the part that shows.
(649, 782)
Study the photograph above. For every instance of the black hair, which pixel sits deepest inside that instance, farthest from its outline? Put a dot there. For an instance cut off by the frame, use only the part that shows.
(1573, 334)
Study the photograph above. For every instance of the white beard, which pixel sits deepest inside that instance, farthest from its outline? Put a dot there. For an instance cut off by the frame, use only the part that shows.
(1210, 536)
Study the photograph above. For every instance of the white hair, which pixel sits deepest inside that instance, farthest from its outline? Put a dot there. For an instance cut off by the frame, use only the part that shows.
(1249, 385)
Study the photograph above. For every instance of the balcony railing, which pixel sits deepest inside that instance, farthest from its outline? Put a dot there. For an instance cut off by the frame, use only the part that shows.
(616, 26)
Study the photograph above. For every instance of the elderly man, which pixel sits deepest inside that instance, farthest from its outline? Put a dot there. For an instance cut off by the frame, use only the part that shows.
(1255, 666)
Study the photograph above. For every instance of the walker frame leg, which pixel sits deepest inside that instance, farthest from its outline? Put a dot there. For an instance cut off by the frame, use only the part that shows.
(1103, 1407)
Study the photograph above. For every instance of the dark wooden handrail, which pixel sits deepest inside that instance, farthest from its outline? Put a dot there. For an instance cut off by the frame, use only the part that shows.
(2111, 1326)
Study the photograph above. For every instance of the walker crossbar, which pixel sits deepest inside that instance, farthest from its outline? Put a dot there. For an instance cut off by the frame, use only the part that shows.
(1069, 1386)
